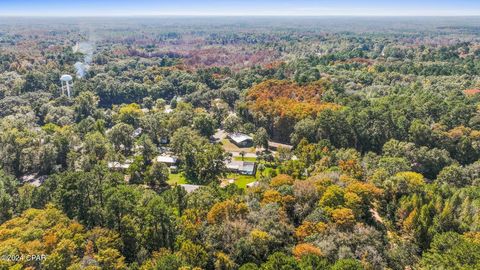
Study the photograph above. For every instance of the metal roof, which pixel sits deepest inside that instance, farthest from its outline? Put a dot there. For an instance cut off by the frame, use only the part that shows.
(239, 137)
(118, 165)
(166, 159)
(241, 166)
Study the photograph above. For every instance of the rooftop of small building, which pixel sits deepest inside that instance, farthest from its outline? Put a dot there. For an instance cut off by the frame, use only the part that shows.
(239, 137)
(190, 188)
(166, 159)
(241, 165)
(279, 145)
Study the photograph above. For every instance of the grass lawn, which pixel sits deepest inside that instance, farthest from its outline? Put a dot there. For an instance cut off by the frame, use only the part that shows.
(241, 180)
(249, 159)
(268, 170)
(176, 178)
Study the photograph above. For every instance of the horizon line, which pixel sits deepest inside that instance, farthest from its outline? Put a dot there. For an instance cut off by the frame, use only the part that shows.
(234, 15)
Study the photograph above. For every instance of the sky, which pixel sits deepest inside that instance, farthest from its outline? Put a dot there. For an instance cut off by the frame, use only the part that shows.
(240, 8)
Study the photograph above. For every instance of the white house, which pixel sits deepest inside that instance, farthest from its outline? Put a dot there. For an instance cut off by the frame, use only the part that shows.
(117, 166)
(167, 159)
(190, 188)
(33, 179)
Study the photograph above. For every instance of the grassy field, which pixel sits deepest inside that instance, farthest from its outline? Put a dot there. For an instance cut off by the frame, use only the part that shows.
(250, 159)
(268, 171)
(241, 180)
(176, 178)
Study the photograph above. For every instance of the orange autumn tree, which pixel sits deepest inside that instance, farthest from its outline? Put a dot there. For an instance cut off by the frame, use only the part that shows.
(304, 249)
(64, 243)
(226, 211)
(279, 104)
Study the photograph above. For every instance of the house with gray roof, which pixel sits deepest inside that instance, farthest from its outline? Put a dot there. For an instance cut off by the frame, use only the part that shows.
(242, 167)
(240, 139)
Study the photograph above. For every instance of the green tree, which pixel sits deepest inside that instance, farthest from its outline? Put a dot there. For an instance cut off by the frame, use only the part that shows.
(202, 161)
(452, 175)
(208, 164)
(159, 219)
(130, 114)
(34, 81)
(333, 126)
(304, 129)
(148, 149)
(193, 255)
(160, 104)
(121, 137)
(97, 145)
(156, 126)
(313, 262)
(451, 250)
(232, 123)
(205, 124)
(347, 264)
(85, 105)
(157, 176)
(260, 138)
(81, 195)
(249, 266)
(8, 186)
(280, 261)
(167, 262)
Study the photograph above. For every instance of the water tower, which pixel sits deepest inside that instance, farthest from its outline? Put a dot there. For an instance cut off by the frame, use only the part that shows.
(67, 83)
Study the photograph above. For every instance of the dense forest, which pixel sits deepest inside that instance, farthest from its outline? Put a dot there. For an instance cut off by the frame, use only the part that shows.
(365, 143)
